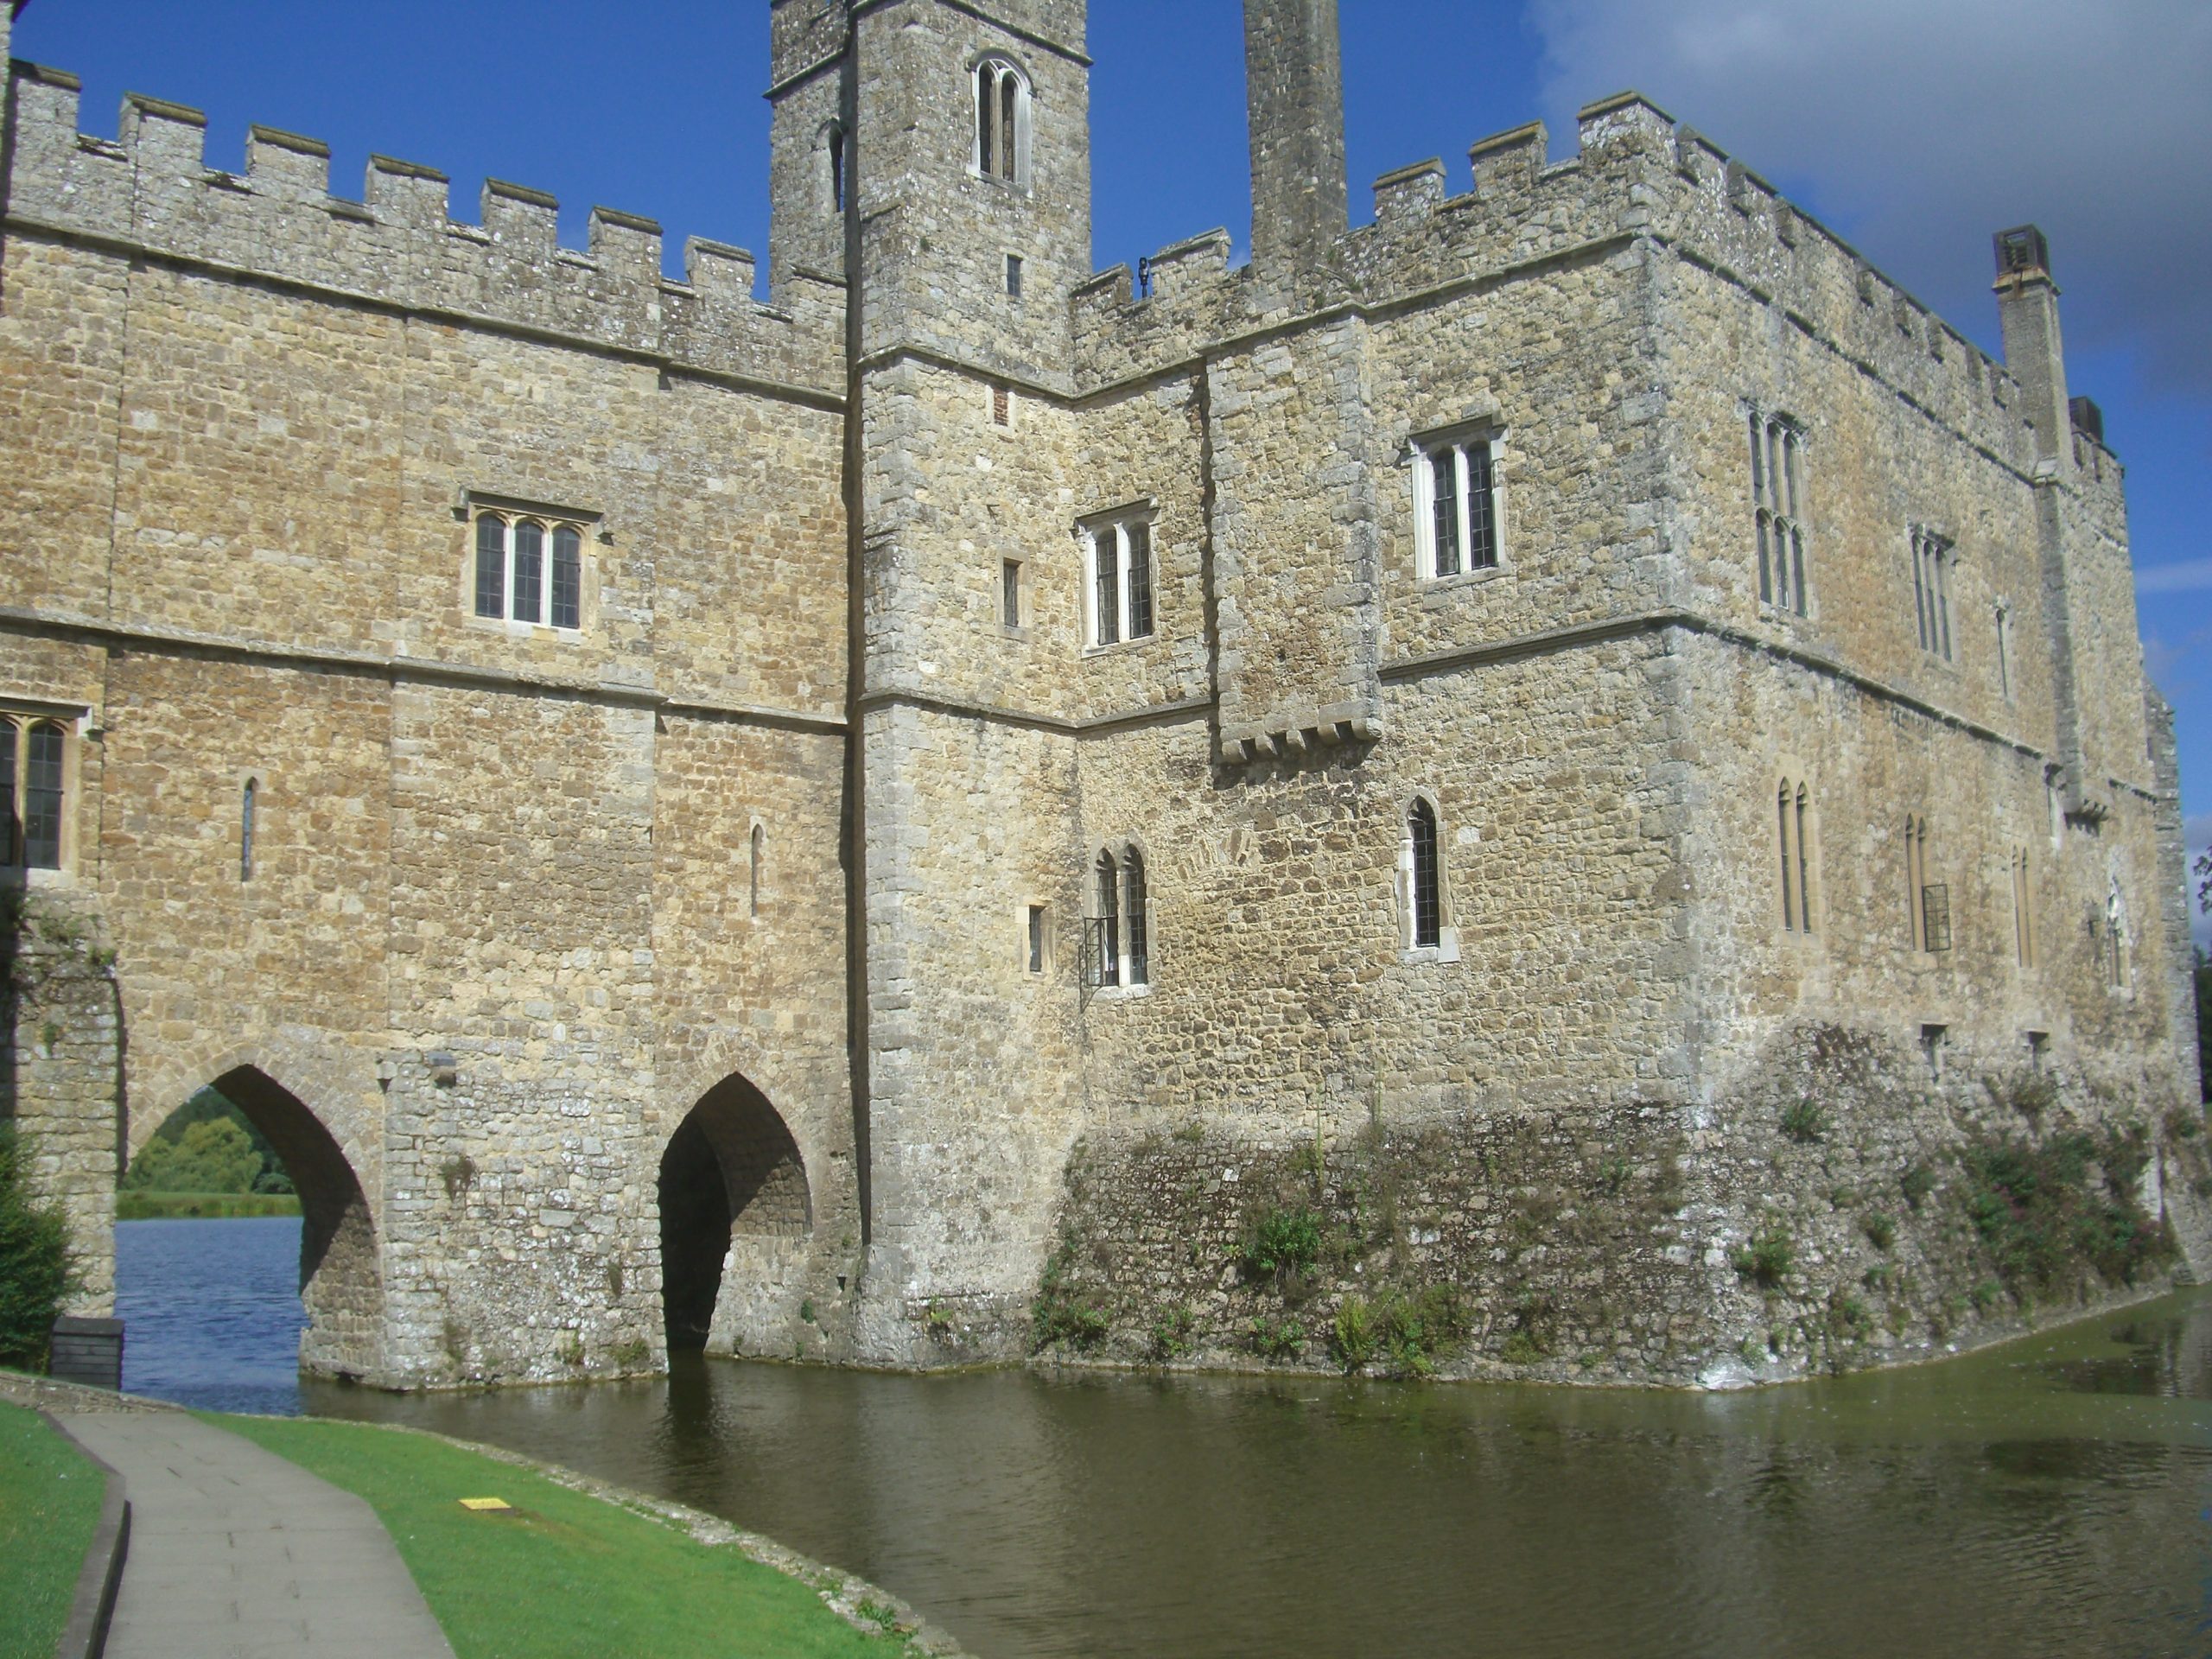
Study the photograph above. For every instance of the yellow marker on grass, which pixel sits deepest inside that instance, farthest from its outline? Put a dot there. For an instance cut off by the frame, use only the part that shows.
(485, 1503)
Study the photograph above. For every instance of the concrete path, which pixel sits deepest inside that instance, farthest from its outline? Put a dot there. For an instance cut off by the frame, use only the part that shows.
(236, 1554)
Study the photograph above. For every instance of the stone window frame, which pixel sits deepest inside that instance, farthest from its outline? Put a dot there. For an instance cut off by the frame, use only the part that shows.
(1119, 924)
(1033, 930)
(832, 167)
(1489, 435)
(999, 89)
(1411, 950)
(253, 792)
(1794, 833)
(1927, 918)
(1016, 603)
(2020, 876)
(24, 716)
(2116, 947)
(1934, 559)
(1119, 521)
(475, 506)
(2003, 628)
(1784, 574)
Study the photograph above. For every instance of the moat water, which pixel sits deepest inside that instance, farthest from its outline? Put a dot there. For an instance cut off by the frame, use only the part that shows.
(2051, 1496)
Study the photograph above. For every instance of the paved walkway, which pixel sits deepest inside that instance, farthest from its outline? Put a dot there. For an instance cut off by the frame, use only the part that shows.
(236, 1554)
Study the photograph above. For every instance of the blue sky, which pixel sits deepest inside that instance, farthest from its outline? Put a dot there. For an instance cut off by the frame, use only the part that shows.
(1914, 127)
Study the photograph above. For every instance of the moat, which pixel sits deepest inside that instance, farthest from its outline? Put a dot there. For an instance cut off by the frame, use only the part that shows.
(2050, 1497)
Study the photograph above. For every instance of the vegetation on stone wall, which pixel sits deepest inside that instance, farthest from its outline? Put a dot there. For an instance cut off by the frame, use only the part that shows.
(35, 1261)
(2049, 1214)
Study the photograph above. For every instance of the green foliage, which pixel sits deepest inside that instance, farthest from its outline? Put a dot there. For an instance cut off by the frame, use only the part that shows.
(1849, 1318)
(1520, 1349)
(203, 1206)
(1172, 1332)
(1061, 1315)
(36, 1267)
(1766, 1259)
(190, 1153)
(1881, 1231)
(1277, 1338)
(1282, 1244)
(215, 1156)
(806, 1311)
(1415, 1325)
(1805, 1120)
(1917, 1183)
(1352, 1338)
(2043, 1220)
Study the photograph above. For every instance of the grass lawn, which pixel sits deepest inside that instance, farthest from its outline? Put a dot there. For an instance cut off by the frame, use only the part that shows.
(564, 1574)
(173, 1206)
(49, 1508)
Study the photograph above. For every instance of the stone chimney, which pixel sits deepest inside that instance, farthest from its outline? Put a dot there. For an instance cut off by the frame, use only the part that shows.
(1294, 71)
(2027, 307)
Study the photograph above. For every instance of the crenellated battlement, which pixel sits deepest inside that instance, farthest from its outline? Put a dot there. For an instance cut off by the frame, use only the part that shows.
(151, 189)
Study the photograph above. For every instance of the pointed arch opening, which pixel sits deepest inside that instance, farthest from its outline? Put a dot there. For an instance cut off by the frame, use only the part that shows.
(733, 1198)
(247, 1139)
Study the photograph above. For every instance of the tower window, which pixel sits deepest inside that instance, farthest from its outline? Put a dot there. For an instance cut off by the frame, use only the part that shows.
(515, 579)
(1793, 834)
(1425, 902)
(1455, 524)
(34, 768)
(1001, 122)
(250, 798)
(1778, 497)
(1117, 564)
(1106, 926)
(835, 151)
(1931, 593)
(1117, 935)
(1010, 592)
(1014, 275)
(1036, 938)
(1138, 954)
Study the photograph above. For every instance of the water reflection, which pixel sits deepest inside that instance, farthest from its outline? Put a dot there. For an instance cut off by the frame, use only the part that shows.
(2051, 1497)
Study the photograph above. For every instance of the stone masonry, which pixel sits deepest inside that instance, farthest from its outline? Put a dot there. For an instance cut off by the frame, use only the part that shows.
(751, 925)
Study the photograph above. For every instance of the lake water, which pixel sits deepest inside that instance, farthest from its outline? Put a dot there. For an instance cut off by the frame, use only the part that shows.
(210, 1312)
(2053, 1497)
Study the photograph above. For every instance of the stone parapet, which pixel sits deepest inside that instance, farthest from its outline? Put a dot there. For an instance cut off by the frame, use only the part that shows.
(152, 191)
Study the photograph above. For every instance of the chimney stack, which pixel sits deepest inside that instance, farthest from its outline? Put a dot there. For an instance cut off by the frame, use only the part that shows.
(1294, 89)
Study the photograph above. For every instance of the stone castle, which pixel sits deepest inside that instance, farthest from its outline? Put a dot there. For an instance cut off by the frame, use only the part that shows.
(1564, 732)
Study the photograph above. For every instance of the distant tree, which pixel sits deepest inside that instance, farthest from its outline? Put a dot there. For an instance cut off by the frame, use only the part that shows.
(34, 1261)
(214, 1155)
(208, 1106)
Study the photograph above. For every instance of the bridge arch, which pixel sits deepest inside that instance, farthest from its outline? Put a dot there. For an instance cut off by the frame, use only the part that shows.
(342, 1274)
(736, 1215)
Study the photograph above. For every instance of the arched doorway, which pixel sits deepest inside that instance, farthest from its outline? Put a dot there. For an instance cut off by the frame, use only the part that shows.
(340, 1278)
(734, 1202)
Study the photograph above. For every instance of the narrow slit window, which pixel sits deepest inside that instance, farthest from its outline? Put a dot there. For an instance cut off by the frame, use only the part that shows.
(1931, 593)
(1426, 903)
(1804, 865)
(42, 796)
(1014, 275)
(1788, 900)
(1140, 950)
(1010, 592)
(1138, 535)
(249, 798)
(758, 848)
(1036, 938)
(834, 143)
(1002, 406)
(2005, 653)
(1106, 590)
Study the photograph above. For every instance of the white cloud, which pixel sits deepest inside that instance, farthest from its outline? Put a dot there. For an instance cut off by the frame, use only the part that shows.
(1922, 126)
(2188, 576)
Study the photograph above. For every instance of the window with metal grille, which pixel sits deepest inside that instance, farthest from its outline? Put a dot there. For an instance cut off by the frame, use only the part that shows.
(1931, 591)
(1777, 499)
(517, 582)
(43, 766)
(1107, 937)
(1117, 556)
(1935, 918)
(1425, 899)
(1139, 955)
(1456, 516)
(1001, 149)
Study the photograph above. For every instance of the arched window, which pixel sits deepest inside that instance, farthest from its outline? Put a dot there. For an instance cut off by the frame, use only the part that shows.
(1139, 951)
(1916, 879)
(834, 153)
(1424, 899)
(759, 856)
(1106, 952)
(1793, 837)
(249, 796)
(1001, 122)
(42, 784)
(529, 570)
(2024, 939)
(490, 566)
(568, 577)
